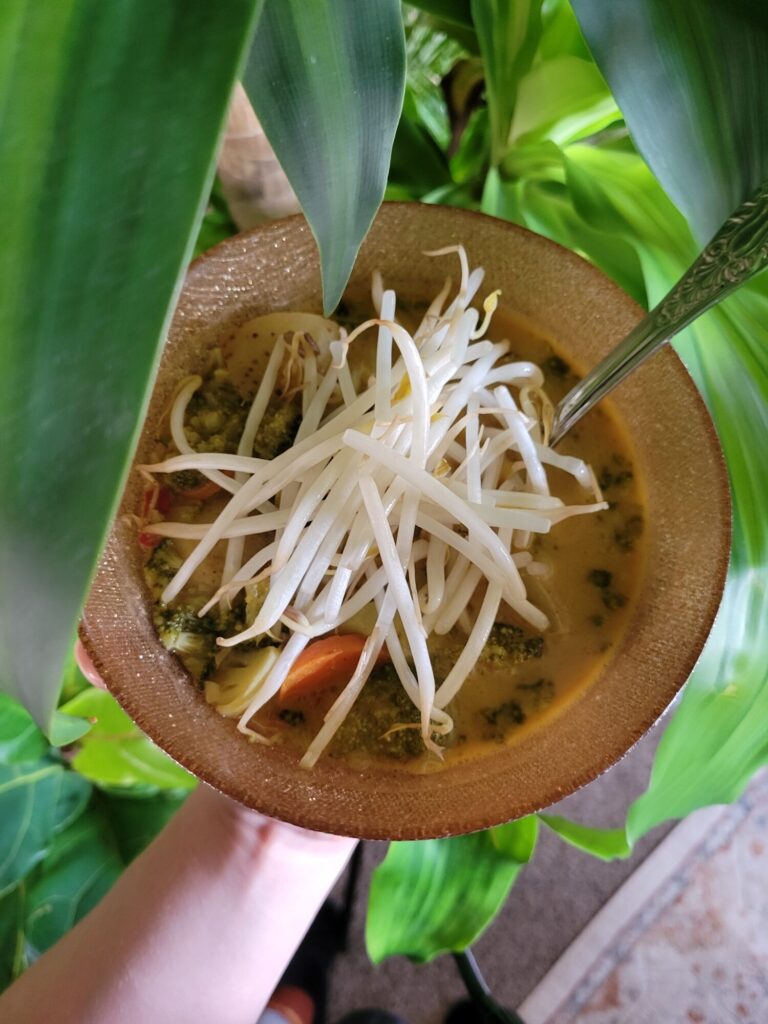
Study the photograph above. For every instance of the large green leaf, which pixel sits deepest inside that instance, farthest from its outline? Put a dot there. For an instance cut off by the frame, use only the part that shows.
(79, 868)
(606, 843)
(456, 12)
(12, 959)
(135, 820)
(508, 31)
(110, 117)
(562, 99)
(417, 164)
(438, 895)
(430, 56)
(20, 738)
(217, 223)
(115, 752)
(326, 80)
(692, 80)
(561, 33)
(37, 801)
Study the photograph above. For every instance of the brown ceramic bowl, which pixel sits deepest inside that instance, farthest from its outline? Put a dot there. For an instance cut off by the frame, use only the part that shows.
(276, 267)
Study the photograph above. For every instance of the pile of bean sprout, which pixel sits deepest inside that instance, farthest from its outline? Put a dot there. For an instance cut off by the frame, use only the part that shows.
(421, 494)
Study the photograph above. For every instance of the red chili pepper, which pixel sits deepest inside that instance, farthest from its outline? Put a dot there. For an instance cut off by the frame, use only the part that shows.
(149, 540)
(164, 501)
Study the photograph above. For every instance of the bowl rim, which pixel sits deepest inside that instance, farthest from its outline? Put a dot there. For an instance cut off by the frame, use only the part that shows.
(706, 618)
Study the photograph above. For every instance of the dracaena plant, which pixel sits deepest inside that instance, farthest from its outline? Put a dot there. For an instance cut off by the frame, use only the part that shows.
(627, 132)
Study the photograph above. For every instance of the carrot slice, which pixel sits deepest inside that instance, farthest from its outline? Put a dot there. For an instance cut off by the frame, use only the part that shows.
(202, 492)
(332, 659)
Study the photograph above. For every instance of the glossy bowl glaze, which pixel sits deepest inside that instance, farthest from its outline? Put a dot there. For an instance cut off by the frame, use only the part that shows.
(687, 536)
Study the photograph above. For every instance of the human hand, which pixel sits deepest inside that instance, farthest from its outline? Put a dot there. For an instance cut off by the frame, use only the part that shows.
(200, 926)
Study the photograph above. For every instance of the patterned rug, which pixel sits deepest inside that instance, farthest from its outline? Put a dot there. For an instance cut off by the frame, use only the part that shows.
(685, 939)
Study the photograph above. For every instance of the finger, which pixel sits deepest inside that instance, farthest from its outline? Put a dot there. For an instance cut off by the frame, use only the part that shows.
(289, 1005)
(87, 667)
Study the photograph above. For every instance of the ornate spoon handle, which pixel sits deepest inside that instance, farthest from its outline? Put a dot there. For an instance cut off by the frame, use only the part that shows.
(738, 251)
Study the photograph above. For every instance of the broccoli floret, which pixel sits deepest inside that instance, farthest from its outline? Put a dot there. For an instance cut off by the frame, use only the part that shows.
(540, 692)
(603, 579)
(215, 419)
(600, 578)
(509, 643)
(277, 429)
(163, 564)
(618, 472)
(216, 415)
(382, 705)
(190, 637)
(556, 367)
(626, 536)
(229, 619)
(185, 480)
(506, 714)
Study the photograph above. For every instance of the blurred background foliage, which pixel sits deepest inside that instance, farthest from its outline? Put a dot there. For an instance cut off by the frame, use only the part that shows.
(632, 161)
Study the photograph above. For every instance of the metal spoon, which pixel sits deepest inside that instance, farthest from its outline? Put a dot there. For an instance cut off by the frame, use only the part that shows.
(737, 252)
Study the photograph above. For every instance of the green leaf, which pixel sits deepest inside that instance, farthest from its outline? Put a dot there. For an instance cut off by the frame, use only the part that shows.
(607, 844)
(217, 223)
(111, 115)
(136, 820)
(80, 867)
(65, 729)
(508, 31)
(438, 895)
(20, 738)
(452, 195)
(547, 207)
(517, 839)
(691, 79)
(37, 801)
(326, 80)
(115, 752)
(561, 33)
(430, 56)
(12, 958)
(417, 163)
(501, 198)
(563, 99)
(456, 12)
(470, 160)
(73, 680)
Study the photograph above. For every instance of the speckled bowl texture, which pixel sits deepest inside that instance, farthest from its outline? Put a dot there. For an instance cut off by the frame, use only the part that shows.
(687, 536)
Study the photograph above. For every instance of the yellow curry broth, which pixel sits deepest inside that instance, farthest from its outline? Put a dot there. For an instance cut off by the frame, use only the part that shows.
(594, 567)
(588, 614)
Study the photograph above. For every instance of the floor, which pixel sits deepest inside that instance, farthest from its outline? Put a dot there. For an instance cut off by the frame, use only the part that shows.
(684, 939)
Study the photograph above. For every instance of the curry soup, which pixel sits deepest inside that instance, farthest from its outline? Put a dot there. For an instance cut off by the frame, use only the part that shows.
(588, 572)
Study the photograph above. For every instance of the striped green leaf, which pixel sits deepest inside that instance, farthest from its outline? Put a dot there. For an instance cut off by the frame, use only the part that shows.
(691, 79)
(326, 80)
(438, 895)
(37, 801)
(509, 32)
(110, 117)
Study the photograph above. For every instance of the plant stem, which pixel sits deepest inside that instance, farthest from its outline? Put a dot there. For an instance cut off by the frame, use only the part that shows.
(479, 992)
